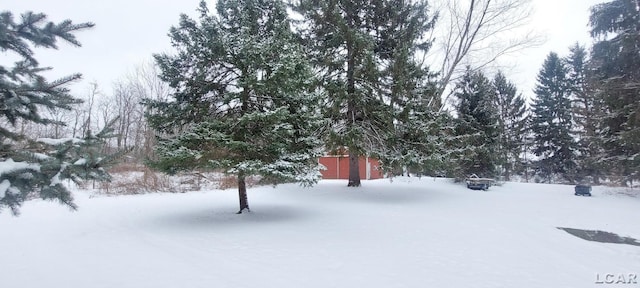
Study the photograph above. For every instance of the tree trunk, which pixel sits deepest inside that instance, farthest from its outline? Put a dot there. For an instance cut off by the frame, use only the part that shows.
(507, 171)
(354, 170)
(354, 167)
(242, 193)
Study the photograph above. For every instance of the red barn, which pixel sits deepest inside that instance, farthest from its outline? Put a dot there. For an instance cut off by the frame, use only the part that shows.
(337, 167)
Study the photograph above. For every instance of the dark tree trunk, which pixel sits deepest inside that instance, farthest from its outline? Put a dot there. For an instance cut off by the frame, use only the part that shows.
(242, 193)
(507, 171)
(354, 170)
(352, 109)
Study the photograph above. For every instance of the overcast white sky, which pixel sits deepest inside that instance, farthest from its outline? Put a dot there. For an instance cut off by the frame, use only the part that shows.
(128, 32)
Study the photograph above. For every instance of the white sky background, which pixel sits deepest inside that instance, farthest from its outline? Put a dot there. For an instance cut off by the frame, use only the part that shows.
(128, 32)
(562, 23)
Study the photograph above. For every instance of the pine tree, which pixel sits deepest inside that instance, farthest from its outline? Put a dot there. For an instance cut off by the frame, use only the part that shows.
(615, 58)
(587, 114)
(409, 87)
(512, 123)
(37, 167)
(552, 123)
(365, 52)
(477, 128)
(242, 100)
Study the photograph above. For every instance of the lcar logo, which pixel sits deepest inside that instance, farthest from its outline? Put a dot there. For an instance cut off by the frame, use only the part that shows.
(619, 278)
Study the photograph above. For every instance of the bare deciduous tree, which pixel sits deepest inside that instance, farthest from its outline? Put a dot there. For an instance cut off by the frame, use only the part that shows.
(88, 109)
(477, 33)
(128, 93)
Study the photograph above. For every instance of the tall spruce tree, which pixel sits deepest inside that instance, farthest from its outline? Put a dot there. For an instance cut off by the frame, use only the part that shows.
(587, 113)
(615, 58)
(408, 85)
(37, 167)
(552, 123)
(242, 97)
(512, 124)
(365, 52)
(477, 128)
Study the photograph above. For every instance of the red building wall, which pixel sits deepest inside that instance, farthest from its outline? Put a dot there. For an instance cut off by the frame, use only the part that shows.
(331, 165)
(337, 167)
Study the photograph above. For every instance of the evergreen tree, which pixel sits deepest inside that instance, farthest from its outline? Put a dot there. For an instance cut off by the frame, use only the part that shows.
(616, 76)
(37, 167)
(409, 87)
(477, 128)
(512, 123)
(551, 123)
(242, 100)
(587, 114)
(365, 53)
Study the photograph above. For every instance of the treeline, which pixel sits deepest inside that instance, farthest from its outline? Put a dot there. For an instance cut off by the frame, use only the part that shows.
(582, 124)
(249, 91)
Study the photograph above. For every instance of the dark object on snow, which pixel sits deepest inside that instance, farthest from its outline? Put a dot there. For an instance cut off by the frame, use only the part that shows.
(583, 190)
(600, 236)
(476, 183)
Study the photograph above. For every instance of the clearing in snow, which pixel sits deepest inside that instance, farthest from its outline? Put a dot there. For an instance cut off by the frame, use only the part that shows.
(408, 232)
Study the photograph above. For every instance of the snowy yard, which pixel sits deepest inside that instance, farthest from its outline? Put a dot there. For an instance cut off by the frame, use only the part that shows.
(406, 233)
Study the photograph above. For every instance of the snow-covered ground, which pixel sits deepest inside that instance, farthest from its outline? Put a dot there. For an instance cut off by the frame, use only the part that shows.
(406, 233)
